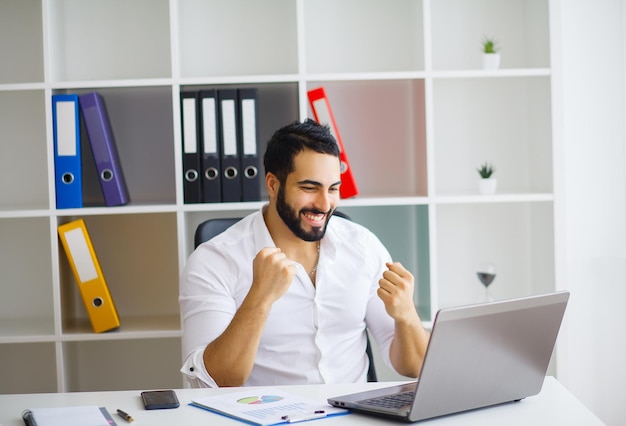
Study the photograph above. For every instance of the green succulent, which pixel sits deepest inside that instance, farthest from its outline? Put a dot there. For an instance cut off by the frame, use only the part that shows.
(486, 170)
(489, 45)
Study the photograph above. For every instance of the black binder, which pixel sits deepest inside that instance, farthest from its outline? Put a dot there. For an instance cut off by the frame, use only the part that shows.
(230, 159)
(191, 148)
(247, 119)
(211, 174)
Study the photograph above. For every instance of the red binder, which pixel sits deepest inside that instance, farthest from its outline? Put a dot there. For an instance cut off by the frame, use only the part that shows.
(324, 115)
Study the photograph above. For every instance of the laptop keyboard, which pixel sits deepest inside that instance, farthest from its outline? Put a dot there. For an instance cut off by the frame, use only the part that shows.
(397, 400)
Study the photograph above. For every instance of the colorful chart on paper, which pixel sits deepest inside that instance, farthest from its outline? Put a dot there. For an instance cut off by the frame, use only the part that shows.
(255, 400)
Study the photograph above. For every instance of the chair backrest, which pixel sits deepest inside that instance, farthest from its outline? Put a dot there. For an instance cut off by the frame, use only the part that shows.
(212, 227)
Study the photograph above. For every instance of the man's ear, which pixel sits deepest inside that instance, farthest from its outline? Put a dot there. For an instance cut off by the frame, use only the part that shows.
(272, 184)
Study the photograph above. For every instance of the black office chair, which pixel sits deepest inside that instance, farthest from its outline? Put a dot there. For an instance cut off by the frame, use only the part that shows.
(212, 227)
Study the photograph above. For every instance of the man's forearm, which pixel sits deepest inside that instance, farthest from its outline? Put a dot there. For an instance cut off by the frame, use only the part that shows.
(229, 358)
(408, 348)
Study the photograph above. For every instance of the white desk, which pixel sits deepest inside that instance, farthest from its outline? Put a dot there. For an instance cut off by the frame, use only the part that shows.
(553, 406)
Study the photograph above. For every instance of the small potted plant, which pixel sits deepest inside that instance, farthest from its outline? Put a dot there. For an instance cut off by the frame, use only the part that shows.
(487, 184)
(491, 55)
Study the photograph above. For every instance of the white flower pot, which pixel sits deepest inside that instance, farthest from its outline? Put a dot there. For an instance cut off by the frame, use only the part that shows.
(487, 186)
(491, 61)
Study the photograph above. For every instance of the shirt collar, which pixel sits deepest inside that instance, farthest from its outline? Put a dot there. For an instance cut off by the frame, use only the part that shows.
(262, 237)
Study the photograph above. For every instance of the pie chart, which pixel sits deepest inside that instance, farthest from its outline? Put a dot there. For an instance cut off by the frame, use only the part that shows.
(255, 400)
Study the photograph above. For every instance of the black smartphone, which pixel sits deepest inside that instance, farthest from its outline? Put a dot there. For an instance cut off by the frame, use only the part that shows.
(156, 400)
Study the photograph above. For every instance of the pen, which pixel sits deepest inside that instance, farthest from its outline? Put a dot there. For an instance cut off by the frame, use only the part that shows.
(301, 417)
(125, 416)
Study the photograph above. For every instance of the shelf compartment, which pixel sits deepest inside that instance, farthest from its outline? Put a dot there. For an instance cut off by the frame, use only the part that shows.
(109, 40)
(141, 119)
(26, 306)
(520, 27)
(504, 121)
(23, 163)
(238, 37)
(122, 365)
(518, 239)
(20, 26)
(28, 368)
(277, 106)
(345, 37)
(138, 257)
(389, 157)
(404, 232)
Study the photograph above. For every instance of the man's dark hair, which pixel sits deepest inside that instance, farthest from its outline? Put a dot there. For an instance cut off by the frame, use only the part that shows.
(294, 138)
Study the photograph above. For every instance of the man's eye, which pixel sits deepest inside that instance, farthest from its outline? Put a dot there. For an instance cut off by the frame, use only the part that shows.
(308, 188)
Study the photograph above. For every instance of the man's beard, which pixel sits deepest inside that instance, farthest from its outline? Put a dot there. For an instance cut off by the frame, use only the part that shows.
(294, 222)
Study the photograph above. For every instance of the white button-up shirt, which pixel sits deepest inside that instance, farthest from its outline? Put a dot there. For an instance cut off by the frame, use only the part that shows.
(313, 334)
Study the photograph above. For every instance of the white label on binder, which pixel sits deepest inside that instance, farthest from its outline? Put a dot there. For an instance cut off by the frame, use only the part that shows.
(230, 127)
(82, 256)
(190, 145)
(66, 128)
(209, 126)
(249, 127)
(323, 116)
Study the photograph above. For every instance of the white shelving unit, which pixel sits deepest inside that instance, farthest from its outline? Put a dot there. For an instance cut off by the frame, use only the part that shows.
(416, 113)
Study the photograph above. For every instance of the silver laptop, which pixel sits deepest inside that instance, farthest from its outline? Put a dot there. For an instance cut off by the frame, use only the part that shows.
(478, 355)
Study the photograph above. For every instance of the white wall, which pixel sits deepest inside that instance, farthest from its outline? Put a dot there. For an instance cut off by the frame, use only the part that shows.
(592, 358)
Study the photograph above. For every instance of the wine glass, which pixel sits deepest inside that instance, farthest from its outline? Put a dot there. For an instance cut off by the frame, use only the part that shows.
(486, 274)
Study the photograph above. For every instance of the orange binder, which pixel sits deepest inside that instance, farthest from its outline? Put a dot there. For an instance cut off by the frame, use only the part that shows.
(91, 283)
(324, 115)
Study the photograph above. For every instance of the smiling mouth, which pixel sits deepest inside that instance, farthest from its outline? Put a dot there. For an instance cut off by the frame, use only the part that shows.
(316, 219)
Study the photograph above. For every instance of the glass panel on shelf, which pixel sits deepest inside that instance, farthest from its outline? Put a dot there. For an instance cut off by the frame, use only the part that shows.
(404, 231)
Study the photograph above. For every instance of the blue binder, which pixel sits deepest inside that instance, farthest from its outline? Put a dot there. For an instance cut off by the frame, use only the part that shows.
(104, 149)
(68, 177)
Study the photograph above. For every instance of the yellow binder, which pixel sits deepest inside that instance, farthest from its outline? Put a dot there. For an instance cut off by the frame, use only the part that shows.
(91, 283)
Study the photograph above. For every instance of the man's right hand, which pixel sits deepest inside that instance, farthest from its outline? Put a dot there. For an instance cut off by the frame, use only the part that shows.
(272, 274)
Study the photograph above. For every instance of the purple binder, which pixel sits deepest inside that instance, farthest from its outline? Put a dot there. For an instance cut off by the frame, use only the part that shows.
(104, 149)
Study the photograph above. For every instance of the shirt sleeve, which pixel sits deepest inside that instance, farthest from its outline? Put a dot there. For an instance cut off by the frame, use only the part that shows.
(379, 324)
(207, 307)
(194, 371)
